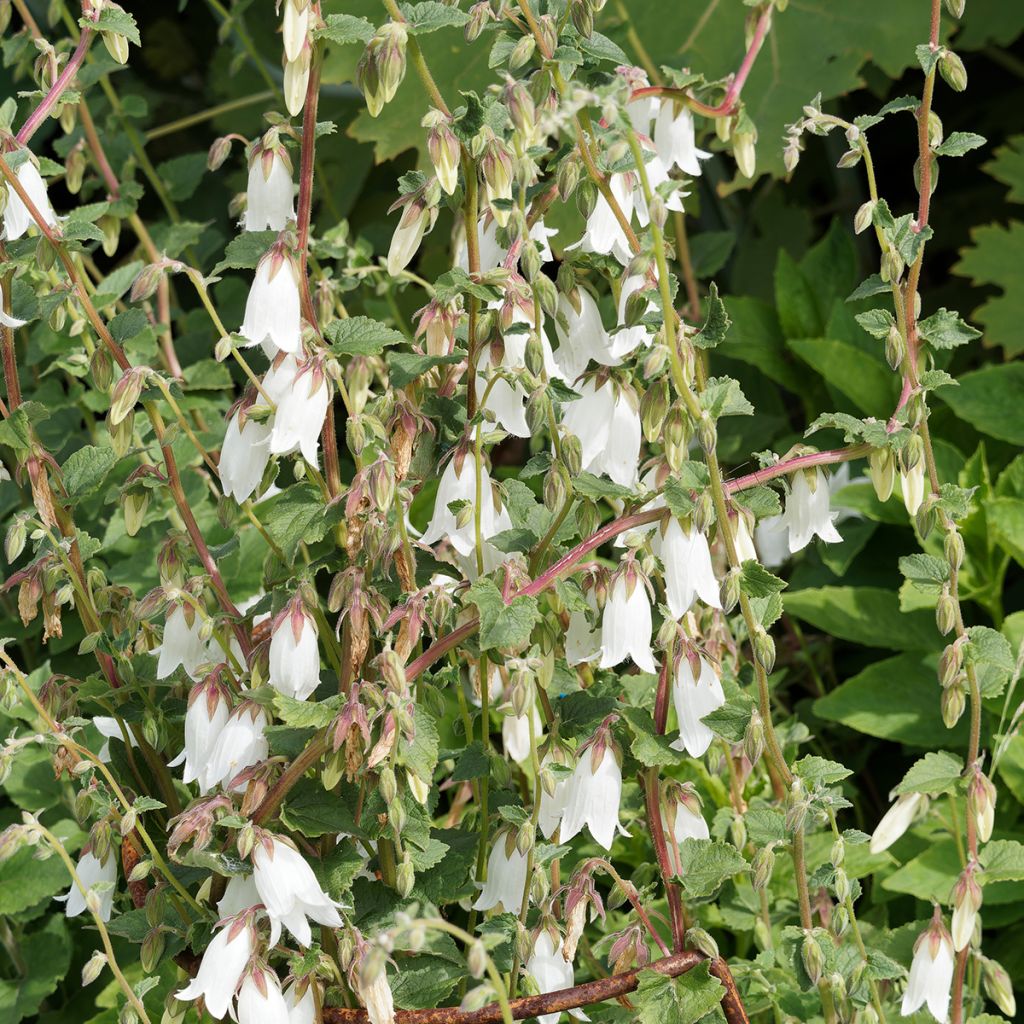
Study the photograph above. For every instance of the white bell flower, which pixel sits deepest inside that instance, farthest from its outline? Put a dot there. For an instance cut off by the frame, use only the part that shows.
(294, 27)
(209, 707)
(182, 643)
(931, 973)
(582, 339)
(607, 422)
(745, 550)
(301, 410)
(375, 994)
(110, 729)
(626, 625)
(593, 797)
(260, 1000)
(301, 1008)
(515, 735)
(582, 640)
(604, 233)
(221, 968)
(459, 485)
(771, 537)
(294, 652)
(5, 318)
(552, 806)
(506, 400)
(549, 969)
(506, 877)
(689, 823)
(896, 821)
(240, 894)
(694, 697)
(688, 573)
(92, 872)
(17, 219)
(808, 511)
(675, 139)
(244, 455)
(269, 203)
(273, 308)
(492, 252)
(912, 486)
(289, 891)
(240, 744)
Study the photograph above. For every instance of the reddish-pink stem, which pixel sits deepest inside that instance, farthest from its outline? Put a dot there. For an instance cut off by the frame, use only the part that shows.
(64, 80)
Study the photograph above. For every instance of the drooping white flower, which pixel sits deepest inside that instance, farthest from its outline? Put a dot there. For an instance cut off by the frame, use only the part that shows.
(931, 973)
(209, 707)
(492, 253)
(301, 1007)
(966, 899)
(17, 219)
(604, 233)
(239, 894)
(374, 992)
(301, 407)
(221, 968)
(417, 219)
(675, 139)
(583, 338)
(808, 511)
(551, 972)
(657, 175)
(625, 340)
(240, 744)
(896, 821)
(912, 484)
(289, 890)
(515, 735)
(594, 792)
(459, 484)
(269, 200)
(697, 691)
(552, 805)
(182, 643)
(506, 877)
(688, 573)
(5, 318)
(626, 624)
(607, 423)
(244, 455)
(260, 1000)
(582, 640)
(294, 27)
(506, 400)
(92, 872)
(745, 549)
(110, 729)
(771, 536)
(273, 311)
(689, 823)
(294, 652)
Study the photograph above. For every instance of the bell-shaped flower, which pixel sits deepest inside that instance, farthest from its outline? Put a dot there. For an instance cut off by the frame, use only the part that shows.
(92, 872)
(689, 822)
(604, 233)
(606, 421)
(515, 735)
(912, 486)
(240, 744)
(260, 1000)
(931, 972)
(685, 553)
(240, 894)
(583, 338)
(417, 219)
(17, 219)
(301, 1003)
(697, 692)
(269, 200)
(301, 410)
(808, 511)
(209, 707)
(182, 642)
(294, 28)
(369, 978)
(5, 318)
(626, 624)
(771, 537)
(294, 652)
(506, 876)
(675, 139)
(492, 253)
(551, 973)
(896, 820)
(627, 339)
(244, 455)
(582, 640)
(552, 805)
(745, 550)
(594, 792)
(289, 890)
(966, 899)
(110, 729)
(222, 967)
(505, 399)
(458, 484)
(272, 311)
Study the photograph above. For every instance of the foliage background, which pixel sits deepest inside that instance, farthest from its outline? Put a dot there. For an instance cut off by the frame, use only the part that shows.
(859, 645)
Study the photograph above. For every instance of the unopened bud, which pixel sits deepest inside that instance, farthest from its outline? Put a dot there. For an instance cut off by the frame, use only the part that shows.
(953, 547)
(895, 349)
(998, 986)
(952, 704)
(763, 865)
(812, 957)
(731, 589)
(952, 69)
(764, 649)
(405, 877)
(754, 737)
(745, 152)
(862, 219)
(950, 662)
(882, 472)
(477, 959)
(93, 967)
(701, 940)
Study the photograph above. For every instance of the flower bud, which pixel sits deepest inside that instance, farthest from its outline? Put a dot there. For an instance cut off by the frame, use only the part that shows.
(956, 8)
(966, 899)
(764, 649)
(862, 219)
(702, 941)
(745, 153)
(754, 737)
(93, 967)
(117, 46)
(895, 349)
(945, 611)
(891, 268)
(405, 877)
(952, 704)
(387, 785)
(812, 957)
(882, 472)
(998, 986)
(952, 69)
(126, 393)
(731, 589)
(477, 959)
(707, 433)
(479, 15)
(950, 664)
(397, 816)
(981, 802)
(763, 865)
(522, 52)
(953, 547)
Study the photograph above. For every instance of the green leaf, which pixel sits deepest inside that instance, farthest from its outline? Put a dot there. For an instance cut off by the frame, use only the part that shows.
(860, 376)
(502, 625)
(936, 772)
(244, 251)
(471, 763)
(795, 300)
(710, 251)
(1003, 861)
(757, 581)
(944, 329)
(1005, 518)
(684, 999)
(405, 367)
(48, 951)
(312, 812)
(959, 143)
(342, 29)
(116, 284)
(183, 174)
(295, 516)
(26, 881)
(430, 15)
(864, 615)
(420, 754)
(706, 864)
(877, 322)
(361, 336)
(723, 396)
(990, 400)
(84, 471)
(926, 572)
(650, 749)
(928, 56)
(995, 258)
(114, 19)
(127, 325)
(816, 770)
(716, 324)
(596, 487)
(306, 714)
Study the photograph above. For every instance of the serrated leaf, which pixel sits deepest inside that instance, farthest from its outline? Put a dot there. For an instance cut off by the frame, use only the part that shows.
(706, 864)
(876, 322)
(944, 330)
(757, 581)
(405, 367)
(84, 471)
(295, 516)
(343, 29)
(361, 336)
(716, 324)
(1003, 861)
(596, 487)
(936, 772)
(502, 625)
(244, 251)
(684, 999)
(815, 770)
(723, 396)
(430, 15)
(959, 143)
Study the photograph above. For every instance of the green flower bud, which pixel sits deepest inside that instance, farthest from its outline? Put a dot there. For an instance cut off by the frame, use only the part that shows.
(952, 69)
